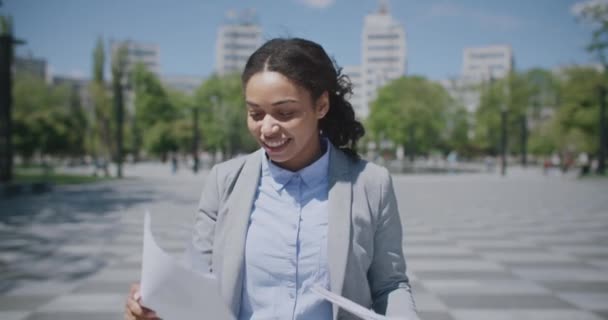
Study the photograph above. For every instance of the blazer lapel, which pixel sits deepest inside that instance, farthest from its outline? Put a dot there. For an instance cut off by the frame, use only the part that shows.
(237, 220)
(338, 234)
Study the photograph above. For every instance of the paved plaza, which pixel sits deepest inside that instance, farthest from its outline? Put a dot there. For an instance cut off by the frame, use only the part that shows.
(478, 246)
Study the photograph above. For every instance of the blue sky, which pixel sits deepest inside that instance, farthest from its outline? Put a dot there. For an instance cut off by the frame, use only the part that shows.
(543, 33)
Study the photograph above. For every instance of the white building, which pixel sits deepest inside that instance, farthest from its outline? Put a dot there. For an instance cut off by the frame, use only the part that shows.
(237, 39)
(483, 63)
(479, 65)
(464, 90)
(138, 52)
(383, 53)
(185, 84)
(356, 99)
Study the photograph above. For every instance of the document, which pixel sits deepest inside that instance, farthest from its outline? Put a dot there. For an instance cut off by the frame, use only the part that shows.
(356, 309)
(174, 291)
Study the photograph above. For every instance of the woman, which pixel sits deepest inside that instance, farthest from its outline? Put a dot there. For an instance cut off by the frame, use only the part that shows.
(304, 210)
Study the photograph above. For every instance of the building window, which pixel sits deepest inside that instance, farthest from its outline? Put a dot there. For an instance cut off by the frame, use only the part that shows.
(383, 59)
(487, 55)
(243, 35)
(383, 48)
(379, 36)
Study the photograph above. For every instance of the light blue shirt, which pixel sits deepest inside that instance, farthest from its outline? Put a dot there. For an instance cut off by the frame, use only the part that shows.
(286, 246)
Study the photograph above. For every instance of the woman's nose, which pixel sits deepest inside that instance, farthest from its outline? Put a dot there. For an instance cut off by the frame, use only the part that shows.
(269, 126)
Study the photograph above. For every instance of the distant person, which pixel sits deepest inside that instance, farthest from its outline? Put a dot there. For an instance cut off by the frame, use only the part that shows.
(584, 163)
(452, 160)
(174, 163)
(303, 210)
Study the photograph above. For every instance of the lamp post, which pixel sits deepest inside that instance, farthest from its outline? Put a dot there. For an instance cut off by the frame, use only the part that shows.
(503, 140)
(7, 41)
(524, 140)
(601, 164)
(195, 140)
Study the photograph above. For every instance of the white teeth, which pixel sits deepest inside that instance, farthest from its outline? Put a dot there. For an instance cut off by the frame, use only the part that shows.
(276, 144)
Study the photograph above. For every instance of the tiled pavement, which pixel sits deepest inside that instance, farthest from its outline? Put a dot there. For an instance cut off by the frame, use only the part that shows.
(477, 246)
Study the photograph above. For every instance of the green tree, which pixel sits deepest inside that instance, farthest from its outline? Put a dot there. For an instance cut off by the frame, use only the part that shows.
(47, 120)
(410, 111)
(184, 123)
(521, 95)
(223, 115)
(543, 102)
(458, 125)
(119, 75)
(101, 142)
(579, 109)
(595, 12)
(155, 114)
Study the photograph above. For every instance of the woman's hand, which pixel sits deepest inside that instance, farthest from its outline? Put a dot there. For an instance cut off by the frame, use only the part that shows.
(134, 310)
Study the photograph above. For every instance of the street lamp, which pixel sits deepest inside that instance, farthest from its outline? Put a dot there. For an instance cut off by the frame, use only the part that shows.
(503, 140)
(195, 140)
(601, 164)
(7, 41)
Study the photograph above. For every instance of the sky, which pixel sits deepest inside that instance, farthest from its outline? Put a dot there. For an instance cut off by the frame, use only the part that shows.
(542, 33)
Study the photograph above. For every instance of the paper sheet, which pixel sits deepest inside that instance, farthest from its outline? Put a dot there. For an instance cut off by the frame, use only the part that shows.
(347, 305)
(174, 291)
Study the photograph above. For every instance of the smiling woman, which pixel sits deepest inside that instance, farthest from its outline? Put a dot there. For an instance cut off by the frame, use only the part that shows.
(297, 82)
(304, 210)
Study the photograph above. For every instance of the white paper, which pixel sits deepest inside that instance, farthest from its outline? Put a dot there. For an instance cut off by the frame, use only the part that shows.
(347, 305)
(174, 291)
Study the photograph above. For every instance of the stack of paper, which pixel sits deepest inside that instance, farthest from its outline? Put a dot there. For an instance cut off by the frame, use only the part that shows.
(347, 305)
(174, 291)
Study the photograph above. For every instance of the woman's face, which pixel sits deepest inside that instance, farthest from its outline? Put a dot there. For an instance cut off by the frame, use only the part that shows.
(283, 119)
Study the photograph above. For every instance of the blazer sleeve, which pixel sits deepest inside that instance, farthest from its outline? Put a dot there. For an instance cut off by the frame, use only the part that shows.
(390, 288)
(200, 248)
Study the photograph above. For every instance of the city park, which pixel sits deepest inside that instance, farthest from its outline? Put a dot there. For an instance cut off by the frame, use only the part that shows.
(478, 246)
(525, 117)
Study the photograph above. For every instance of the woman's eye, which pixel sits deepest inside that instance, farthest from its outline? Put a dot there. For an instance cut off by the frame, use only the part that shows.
(255, 115)
(286, 114)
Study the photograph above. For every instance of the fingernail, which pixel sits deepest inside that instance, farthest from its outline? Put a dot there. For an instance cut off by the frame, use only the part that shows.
(137, 296)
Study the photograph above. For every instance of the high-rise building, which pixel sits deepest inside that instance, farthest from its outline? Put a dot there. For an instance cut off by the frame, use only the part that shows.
(465, 91)
(79, 88)
(383, 53)
(479, 65)
(36, 67)
(356, 79)
(237, 39)
(138, 52)
(484, 63)
(185, 84)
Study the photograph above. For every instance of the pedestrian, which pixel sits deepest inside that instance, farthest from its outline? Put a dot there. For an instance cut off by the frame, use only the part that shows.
(173, 163)
(303, 210)
(583, 162)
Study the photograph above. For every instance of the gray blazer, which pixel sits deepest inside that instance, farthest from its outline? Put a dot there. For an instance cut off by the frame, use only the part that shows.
(366, 263)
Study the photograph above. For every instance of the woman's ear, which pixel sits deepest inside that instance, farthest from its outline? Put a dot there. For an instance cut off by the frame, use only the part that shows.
(322, 105)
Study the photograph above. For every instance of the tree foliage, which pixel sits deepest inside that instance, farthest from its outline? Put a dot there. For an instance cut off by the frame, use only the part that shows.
(46, 119)
(411, 111)
(578, 114)
(223, 115)
(101, 143)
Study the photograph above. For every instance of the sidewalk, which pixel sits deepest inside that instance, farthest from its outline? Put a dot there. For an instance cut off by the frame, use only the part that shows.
(477, 246)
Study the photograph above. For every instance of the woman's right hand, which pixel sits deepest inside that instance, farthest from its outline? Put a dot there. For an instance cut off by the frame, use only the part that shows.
(134, 310)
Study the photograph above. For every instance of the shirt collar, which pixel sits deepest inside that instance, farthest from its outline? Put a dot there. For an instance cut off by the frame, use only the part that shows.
(312, 175)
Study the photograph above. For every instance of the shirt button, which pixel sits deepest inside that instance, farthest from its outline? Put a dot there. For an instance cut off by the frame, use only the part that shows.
(291, 295)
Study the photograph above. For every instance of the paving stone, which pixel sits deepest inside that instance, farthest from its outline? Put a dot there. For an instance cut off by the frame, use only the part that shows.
(477, 246)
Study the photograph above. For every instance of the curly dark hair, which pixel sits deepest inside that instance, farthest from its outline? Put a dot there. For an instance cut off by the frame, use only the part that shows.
(308, 65)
